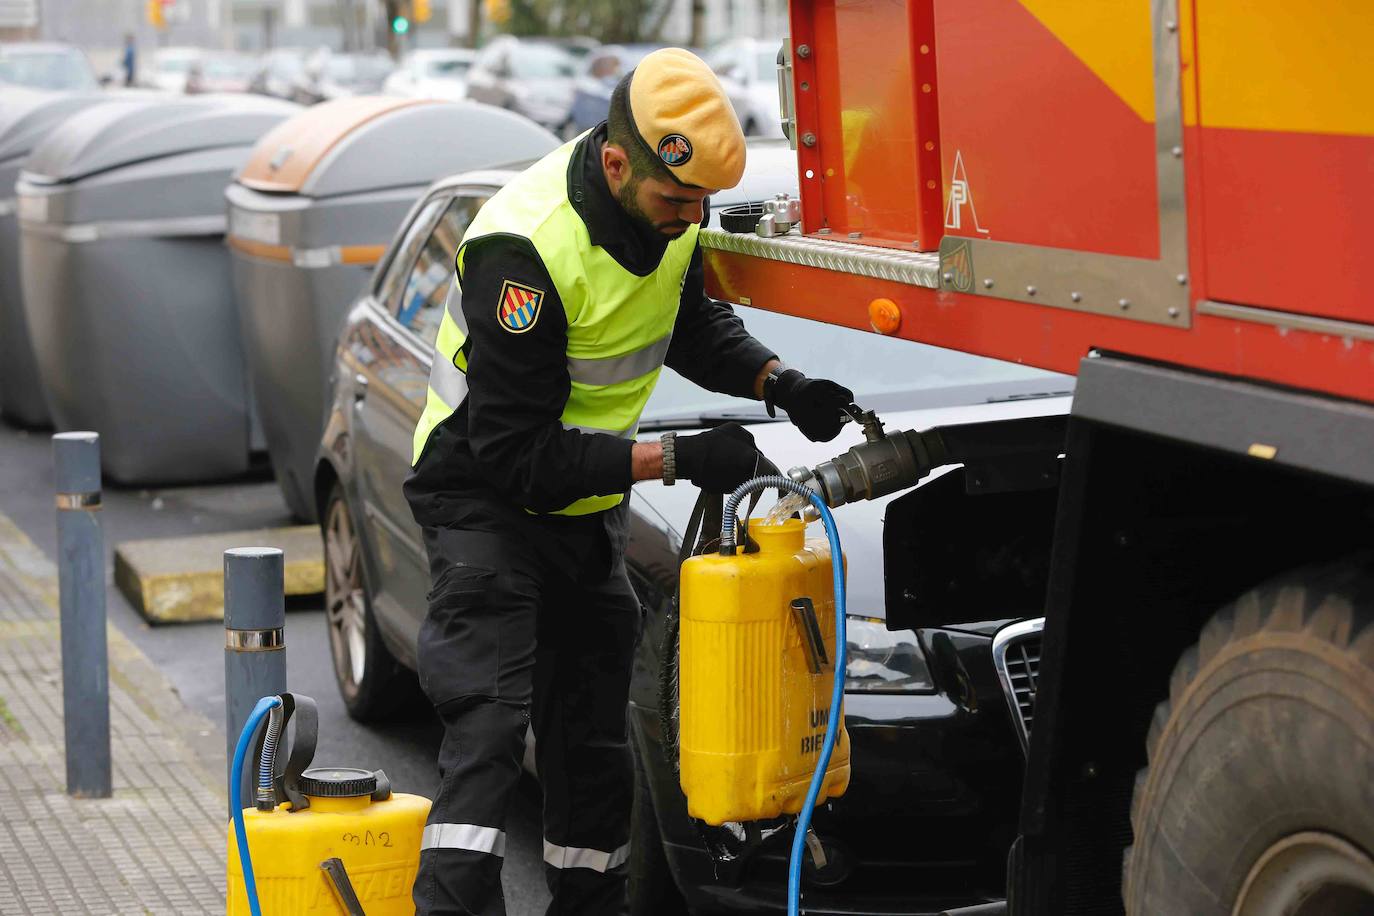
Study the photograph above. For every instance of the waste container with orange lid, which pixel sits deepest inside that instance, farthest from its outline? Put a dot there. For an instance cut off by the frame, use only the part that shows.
(311, 213)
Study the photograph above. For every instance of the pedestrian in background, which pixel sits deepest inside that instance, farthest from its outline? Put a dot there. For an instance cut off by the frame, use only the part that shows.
(576, 284)
(129, 61)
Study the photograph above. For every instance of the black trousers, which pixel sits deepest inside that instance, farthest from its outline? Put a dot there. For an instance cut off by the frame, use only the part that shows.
(523, 630)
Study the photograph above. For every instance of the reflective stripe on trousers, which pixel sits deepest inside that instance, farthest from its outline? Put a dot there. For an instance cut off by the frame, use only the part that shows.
(595, 859)
(472, 837)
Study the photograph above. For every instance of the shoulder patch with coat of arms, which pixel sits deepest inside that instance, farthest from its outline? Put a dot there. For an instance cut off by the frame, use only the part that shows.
(518, 309)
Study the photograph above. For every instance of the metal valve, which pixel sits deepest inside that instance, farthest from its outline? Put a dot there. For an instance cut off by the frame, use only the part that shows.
(779, 216)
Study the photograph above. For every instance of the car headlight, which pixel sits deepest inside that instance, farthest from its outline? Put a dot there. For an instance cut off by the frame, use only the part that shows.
(879, 660)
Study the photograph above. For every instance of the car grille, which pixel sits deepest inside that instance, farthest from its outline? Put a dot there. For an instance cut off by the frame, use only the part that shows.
(1016, 653)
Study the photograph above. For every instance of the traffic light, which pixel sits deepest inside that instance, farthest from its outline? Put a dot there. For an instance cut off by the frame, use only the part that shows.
(400, 25)
(155, 15)
(498, 11)
(420, 10)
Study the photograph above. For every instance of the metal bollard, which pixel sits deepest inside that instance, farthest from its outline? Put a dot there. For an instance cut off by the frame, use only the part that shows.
(81, 591)
(254, 638)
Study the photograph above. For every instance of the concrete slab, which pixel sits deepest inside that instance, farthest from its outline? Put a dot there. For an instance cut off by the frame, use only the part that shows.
(178, 580)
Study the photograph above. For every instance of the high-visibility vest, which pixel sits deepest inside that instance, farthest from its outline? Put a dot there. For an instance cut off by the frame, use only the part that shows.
(619, 324)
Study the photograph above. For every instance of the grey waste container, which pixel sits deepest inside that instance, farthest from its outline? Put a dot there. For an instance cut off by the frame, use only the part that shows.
(310, 214)
(126, 281)
(25, 119)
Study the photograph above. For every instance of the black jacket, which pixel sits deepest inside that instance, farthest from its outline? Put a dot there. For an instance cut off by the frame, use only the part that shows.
(506, 442)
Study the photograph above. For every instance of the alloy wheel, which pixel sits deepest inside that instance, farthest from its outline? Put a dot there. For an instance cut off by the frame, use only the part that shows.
(345, 596)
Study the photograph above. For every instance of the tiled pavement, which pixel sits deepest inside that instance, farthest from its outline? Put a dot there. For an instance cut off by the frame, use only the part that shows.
(158, 845)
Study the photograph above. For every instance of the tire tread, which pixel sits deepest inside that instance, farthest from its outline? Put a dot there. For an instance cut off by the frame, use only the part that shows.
(1332, 602)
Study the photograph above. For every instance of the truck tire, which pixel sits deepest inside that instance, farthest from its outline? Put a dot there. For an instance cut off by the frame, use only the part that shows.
(652, 890)
(372, 684)
(1258, 797)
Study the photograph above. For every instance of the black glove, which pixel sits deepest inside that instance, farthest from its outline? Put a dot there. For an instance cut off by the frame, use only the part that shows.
(814, 405)
(718, 460)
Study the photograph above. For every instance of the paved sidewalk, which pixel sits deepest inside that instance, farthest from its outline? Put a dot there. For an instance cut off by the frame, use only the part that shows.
(158, 845)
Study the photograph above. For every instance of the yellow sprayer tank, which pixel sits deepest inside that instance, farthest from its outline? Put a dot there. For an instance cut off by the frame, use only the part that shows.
(378, 842)
(755, 684)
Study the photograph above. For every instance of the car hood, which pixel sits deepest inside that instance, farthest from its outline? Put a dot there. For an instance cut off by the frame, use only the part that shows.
(860, 524)
(452, 89)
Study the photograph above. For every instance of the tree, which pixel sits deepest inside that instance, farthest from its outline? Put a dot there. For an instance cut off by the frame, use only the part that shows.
(619, 21)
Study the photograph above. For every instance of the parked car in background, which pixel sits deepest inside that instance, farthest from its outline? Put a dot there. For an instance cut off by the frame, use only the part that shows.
(335, 76)
(937, 760)
(169, 68)
(221, 72)
(579, 46)
(438, 73)
(279, 70)
(597, 75)
(748, 69)
(529, 75)
(46, 65)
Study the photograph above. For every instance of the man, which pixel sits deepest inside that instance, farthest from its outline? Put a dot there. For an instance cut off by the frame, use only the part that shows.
(575, 284)
(128, 60)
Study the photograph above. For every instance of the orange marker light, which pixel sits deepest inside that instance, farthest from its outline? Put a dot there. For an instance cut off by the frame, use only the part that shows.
(884, 316)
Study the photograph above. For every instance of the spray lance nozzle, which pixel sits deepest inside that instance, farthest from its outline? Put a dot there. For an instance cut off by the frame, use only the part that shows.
(880, 465)
(1002, 452)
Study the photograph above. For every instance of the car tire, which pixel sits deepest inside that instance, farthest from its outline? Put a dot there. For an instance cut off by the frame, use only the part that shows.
(1258, 797)
(371, 682)
(652, 889)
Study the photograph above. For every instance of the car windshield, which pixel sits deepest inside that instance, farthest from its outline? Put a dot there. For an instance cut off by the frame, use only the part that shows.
(447, 67)
(173, 64)
(357, 71)
(878, 369)
(766, 65)
(46, 69)
(229, 67)
(538, 61)
(287, 66)
(614, 63)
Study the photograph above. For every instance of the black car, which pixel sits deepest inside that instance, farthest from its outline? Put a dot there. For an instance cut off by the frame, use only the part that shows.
(936, 766)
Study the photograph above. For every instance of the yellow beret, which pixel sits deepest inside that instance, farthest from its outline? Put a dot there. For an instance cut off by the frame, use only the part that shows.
(682, 112)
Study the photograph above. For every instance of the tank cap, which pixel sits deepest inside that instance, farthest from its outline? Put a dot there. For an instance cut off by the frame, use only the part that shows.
(338, 782)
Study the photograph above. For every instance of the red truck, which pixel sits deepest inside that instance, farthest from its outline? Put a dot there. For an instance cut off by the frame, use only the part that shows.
(1173, 200)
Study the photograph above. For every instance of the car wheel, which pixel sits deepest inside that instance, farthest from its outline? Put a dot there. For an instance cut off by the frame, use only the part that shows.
(652, 890)
(1258, 798)
(372, 683)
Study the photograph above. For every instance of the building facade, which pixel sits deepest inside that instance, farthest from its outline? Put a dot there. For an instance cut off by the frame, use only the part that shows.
(99, 26)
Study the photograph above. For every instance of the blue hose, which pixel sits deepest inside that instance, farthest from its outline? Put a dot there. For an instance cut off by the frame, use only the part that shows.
(265, 705)
(832, 727)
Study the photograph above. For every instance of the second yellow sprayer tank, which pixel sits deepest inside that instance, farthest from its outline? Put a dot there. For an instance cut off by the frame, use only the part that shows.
(757, 672)
(377, 842)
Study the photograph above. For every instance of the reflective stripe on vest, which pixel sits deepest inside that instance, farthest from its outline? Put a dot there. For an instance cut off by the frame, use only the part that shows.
(447, 381)
(619, 325)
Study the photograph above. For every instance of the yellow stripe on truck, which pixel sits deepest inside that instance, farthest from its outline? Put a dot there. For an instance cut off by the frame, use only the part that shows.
(1285, 66)
(1112, 39)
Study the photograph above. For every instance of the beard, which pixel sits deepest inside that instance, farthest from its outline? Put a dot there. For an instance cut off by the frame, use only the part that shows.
(629, 202)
